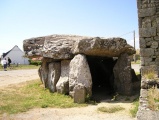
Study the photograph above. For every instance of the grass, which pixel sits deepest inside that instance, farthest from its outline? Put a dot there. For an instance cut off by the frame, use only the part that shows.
(111, 109)
(20, 67)
(153, 98)
(137, 73)
(134, 110)
(137, 62)
(32, 95)
(149, 74)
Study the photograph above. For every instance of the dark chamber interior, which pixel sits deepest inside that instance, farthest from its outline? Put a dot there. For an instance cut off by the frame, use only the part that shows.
(102, 77)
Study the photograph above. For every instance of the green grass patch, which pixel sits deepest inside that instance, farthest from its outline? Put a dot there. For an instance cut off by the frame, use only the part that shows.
(111, 109)
(20, 67)
(137, 73)
(137, 62)
(134, 110)
(32, 95)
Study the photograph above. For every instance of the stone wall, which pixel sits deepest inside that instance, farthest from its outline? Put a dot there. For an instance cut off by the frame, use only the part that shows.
(148, 18)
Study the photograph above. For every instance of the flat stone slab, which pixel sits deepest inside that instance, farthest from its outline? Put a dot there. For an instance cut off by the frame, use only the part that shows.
(66, 46)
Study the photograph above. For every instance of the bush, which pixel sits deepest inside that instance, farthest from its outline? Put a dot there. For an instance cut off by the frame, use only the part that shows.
(32, 62)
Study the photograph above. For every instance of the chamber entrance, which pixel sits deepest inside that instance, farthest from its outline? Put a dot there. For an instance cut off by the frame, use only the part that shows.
(102, 77)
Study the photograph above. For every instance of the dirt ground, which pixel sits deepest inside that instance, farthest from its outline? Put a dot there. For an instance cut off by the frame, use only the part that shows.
(84, 113)
(17, 76)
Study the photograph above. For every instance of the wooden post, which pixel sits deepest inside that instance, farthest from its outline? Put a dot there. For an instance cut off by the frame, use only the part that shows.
(134, 46)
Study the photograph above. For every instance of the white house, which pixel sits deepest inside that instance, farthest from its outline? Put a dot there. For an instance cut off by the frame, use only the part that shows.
(16, 55)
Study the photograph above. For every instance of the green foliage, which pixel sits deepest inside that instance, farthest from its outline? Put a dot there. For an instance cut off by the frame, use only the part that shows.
(33, 62)
(20, 67)
(137, 73)
(137, 62)
(134, 110)
(32, 95)
(111, 109)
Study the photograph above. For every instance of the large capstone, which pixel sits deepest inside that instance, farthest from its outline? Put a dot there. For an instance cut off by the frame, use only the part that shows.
(66, 46)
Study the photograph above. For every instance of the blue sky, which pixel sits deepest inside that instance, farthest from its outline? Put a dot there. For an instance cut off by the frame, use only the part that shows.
(23, 19)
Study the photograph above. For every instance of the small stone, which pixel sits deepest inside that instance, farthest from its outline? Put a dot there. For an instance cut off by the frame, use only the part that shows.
(154, 44)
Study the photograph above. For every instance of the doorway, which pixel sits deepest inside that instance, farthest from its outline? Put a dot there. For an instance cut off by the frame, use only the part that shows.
(102, 77)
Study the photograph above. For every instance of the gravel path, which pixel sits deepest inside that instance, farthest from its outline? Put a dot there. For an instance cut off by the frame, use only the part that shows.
(83, 113)
(17, 76)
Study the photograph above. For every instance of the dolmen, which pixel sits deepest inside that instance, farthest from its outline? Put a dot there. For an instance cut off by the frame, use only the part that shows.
(79, 65)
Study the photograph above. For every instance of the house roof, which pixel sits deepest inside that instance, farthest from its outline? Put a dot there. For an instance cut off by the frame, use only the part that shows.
(5, 54)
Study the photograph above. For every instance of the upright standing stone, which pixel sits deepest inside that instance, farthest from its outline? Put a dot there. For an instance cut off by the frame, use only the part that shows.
(79, 93)
(62, 85)
(80, 73)
(122, 75)
(43, 72)
(53, 75)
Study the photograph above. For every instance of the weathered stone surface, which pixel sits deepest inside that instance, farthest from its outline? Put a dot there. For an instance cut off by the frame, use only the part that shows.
(59, 46)
(43, 72)
(136, 81)
(33, 46)
(158, 29)
(154, 45)
(142, 42)
(148, 39)
(147, 32)
(122, 75)
(150, 68)
(112, 47)
(156, 38)
(144, 93)
(148, 59)
(66, 46)
(147, 115)
(79, 93)
(157, 61)
(147, 52)
(142, 61)
(62, 85)
(80, 73)
(146, 22)
(146, 84)
(146, 12)
(53, 75)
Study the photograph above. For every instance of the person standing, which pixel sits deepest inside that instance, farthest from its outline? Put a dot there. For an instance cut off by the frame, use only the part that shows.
(9, 62)
(4, 63)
